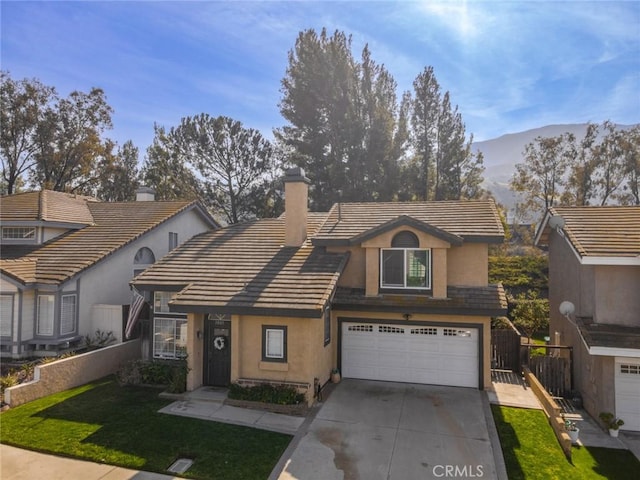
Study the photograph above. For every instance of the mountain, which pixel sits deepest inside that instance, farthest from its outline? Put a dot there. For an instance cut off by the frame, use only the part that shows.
(503, 153)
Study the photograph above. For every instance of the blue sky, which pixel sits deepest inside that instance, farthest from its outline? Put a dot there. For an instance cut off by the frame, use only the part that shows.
(510, 66)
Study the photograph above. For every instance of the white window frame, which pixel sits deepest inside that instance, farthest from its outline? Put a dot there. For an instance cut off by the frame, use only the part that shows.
(45, 329)
(6, 315)
(274, 343)
(404, 285)
(161, 299)
(18, 233)
(68, 316)
(169, 338)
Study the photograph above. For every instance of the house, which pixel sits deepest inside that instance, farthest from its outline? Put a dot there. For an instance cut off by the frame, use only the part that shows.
(594, 297)
(384, 291)
(65, 256)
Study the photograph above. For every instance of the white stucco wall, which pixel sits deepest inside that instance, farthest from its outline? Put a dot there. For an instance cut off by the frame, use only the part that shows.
(108, 281)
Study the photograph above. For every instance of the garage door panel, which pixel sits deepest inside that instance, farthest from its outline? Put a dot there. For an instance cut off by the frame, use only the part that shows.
(627, 392)
(407, 353)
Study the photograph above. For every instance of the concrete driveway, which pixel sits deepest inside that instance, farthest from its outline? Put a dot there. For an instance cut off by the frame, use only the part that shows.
(395, 431)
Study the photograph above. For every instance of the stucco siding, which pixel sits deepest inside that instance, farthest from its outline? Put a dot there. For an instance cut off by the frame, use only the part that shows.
(307, 357)
(353, 275)
(468, 265)
(617, 299)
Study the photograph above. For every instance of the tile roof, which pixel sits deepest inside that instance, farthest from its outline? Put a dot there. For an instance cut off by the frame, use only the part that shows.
(608, 231)
(610, 336)
(245, 268)
(47, 206)
(114, 225)
(489, 300)
(471, 220)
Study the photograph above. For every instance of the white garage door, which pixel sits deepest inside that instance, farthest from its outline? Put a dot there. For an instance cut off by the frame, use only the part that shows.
(627, 380)
(410, 353)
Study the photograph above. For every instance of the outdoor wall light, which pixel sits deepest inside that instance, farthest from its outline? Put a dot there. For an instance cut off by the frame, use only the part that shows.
(199, 334)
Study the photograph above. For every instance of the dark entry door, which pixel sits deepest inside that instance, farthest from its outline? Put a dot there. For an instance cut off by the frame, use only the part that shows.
(217, 352)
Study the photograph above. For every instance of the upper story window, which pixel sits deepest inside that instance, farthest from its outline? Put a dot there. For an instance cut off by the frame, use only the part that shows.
(173, 240)
(18, 233)
(161, 301)
(404, 265)
(144, 259)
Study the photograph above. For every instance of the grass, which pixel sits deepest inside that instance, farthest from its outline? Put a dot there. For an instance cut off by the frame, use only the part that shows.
(106, 423)
(531, 451)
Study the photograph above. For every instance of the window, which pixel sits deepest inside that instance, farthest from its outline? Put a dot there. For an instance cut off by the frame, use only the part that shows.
(630, 369)
(274, 343)
(46, 305)
(404, 265)
(169, 338)
(68, 314)
(405, 268)
(161, 301)
(173, 240)
(6, 315)
(18, 233)
(327, 326)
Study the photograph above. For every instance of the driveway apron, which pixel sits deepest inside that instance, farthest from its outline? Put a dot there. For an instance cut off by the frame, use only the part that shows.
(395, 431)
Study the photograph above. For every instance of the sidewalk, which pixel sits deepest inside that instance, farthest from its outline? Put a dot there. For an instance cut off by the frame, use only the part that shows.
(19, 464)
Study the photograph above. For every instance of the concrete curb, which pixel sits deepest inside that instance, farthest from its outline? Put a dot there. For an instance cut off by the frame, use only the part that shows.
(501, 468)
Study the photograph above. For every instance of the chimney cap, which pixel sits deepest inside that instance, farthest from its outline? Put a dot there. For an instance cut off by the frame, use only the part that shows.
(295, 174)
(144, 189)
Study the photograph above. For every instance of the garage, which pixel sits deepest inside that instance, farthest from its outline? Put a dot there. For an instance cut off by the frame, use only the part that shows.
(627, 385)
(428, 354)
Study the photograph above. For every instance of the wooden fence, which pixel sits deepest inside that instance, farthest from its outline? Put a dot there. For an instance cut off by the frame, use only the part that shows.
(505, 349)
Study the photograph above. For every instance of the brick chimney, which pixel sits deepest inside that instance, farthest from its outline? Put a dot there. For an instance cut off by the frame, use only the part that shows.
(296, 194)
(145, 194)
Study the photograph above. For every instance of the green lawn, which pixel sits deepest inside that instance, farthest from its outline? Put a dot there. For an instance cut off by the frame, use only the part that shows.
(106, 423)
(531, 451)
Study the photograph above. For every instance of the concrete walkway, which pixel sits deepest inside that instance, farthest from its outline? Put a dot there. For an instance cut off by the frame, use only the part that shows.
(510, 390)
(206, 403)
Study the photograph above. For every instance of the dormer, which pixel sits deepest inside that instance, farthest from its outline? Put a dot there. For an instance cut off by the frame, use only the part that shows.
(416, 249)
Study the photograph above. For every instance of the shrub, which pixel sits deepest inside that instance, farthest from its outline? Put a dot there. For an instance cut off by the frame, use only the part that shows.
(99, 340)
(172, 374)
(266, 393)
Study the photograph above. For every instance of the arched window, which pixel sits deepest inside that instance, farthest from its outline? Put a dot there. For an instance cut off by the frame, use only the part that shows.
(405, 240)
(144, 256)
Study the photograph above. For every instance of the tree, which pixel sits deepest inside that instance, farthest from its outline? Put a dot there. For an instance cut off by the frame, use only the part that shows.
(582, 163)
(424, 123)
(444, 166)
(231, 159)
(530, 313)
(118, 178)
(70, 142)
(345, 126)
(610, 171)
(541, 176)
(22, 106)
(165, 171)
(630, 146)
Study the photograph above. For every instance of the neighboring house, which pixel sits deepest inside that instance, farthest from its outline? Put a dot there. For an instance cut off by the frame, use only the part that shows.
(594, 263)
(385, 291)
(63, 256)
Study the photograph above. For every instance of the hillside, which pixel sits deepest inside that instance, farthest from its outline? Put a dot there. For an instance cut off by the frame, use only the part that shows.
(503, 153)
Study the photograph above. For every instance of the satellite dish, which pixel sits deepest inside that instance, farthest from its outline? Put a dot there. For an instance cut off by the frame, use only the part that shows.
(556, 221)
(567, 308)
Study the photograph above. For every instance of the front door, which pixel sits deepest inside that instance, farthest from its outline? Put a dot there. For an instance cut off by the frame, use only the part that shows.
(217, 352)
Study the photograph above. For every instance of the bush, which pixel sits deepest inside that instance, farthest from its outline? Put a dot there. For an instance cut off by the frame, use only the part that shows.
(266, 393)
(169, 373)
